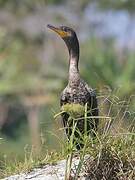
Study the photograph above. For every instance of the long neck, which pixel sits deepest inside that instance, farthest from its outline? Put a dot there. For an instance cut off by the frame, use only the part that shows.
(73, 70)
(74, 76)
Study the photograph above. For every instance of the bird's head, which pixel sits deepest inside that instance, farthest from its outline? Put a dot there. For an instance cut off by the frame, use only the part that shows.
(67, 34)
(64, 32)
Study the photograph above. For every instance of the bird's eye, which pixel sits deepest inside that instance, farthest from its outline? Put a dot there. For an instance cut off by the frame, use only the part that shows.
(64, 29)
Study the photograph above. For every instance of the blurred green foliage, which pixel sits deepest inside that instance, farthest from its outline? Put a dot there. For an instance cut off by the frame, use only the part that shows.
(26, 4)
(104, 65)
(118, 4)
(32, 4)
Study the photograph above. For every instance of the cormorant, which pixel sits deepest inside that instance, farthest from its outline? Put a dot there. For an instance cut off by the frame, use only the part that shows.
(77, 90)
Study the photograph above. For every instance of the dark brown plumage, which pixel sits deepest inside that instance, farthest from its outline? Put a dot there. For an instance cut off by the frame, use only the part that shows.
(77, 91)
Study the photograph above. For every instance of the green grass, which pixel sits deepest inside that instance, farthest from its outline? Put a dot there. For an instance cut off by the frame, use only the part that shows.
(28, 162)
(111, 155)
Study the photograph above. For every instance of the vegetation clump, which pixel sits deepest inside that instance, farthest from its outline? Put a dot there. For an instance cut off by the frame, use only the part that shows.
(74, 110)
(112, 159)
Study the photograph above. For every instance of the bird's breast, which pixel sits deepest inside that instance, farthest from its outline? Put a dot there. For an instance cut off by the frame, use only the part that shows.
(77, 95)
